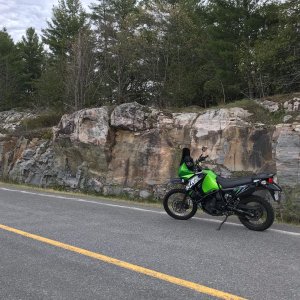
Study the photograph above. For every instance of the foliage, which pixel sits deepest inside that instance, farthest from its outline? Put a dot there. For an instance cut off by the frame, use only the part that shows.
(42, 121)
(32, 56)
(49, 88)
(156, 52)
(290, 207)
(10, 79)
(68, 18)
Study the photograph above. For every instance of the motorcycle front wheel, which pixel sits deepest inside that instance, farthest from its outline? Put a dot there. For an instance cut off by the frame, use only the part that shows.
(262, 210)
(179, 205)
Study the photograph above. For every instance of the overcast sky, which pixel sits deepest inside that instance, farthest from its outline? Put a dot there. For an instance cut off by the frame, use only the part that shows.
(18, 15)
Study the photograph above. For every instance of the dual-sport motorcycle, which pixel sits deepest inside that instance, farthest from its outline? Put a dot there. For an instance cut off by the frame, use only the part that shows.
(220, 196)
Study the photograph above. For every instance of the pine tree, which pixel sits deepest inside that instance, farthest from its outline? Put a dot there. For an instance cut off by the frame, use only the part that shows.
(278, 51)
(10, 69)
(121, 43)
(31, 53)
(183, 43)
(68, 19)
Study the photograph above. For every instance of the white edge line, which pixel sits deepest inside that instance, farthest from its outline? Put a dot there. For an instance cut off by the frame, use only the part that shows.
(135, 208)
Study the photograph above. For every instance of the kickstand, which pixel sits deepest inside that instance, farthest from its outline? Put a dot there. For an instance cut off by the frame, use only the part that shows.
(219, 228)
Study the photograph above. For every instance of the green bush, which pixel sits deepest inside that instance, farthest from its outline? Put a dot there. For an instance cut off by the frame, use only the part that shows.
(42, 121)
(289, 210)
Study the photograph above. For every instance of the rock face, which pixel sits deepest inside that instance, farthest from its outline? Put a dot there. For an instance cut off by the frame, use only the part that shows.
(11, 120)
(287, 154)
(134, 150)
(292, 105)
(269, 105)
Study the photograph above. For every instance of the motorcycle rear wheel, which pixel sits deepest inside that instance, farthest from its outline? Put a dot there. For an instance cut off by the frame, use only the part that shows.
(179, 205)
(264, 213)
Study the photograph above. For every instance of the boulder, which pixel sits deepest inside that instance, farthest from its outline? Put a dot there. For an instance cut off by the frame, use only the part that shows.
(287, 118)
(292, 105)
(88, 126)
(137, 117)
(10, 120)
(271, 106)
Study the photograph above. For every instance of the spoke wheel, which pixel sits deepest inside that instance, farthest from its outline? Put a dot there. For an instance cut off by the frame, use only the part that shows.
(261, 213)
(179, 205)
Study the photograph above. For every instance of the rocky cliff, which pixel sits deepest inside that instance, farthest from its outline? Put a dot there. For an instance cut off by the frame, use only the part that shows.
(133, 150)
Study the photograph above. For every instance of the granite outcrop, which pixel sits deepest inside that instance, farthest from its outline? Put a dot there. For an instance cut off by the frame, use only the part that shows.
(133, 150)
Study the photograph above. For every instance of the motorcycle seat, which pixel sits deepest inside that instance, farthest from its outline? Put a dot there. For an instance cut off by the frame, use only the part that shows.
(262, 176)
(233, 182)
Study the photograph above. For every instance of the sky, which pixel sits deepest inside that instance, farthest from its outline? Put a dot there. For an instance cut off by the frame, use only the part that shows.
(18, 15)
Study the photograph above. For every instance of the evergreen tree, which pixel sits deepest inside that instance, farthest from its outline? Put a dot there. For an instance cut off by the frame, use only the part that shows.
(31, 53)
(49, 88)
(277, 50)
(10, 69)
(183, 45)
(67, 20)
(232, 28)
(122, 43)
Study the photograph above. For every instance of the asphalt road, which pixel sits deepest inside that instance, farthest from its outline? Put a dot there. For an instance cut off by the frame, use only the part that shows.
(252, 265)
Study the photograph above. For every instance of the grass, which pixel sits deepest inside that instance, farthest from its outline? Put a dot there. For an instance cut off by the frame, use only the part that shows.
(38, 127)
(42, 121)
(42, 133)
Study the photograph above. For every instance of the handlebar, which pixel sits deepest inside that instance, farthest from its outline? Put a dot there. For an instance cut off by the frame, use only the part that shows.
(201, 158)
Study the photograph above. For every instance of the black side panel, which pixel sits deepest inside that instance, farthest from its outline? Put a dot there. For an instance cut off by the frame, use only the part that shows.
(247, 191)
(177, 181)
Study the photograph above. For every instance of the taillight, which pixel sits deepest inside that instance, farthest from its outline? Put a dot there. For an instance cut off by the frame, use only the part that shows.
(270, 180)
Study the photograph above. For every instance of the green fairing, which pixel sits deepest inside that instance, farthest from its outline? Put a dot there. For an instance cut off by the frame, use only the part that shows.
(184, 172)
(209, 183)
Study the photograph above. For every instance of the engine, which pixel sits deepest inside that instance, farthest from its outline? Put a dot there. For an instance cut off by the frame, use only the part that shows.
(213, 205)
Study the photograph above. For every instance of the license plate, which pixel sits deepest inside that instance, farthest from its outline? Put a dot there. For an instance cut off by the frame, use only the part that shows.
(277, 196)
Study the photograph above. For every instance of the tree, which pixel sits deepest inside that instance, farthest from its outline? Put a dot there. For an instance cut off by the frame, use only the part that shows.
(183, 42)
(121, 43)
(232, 28)
(10, 67)
(82, 77)
(67, 20)
(277, 51)
(49, 88)
(31, 53)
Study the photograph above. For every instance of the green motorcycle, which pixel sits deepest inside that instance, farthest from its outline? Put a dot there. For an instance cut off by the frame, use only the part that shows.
(220, 196)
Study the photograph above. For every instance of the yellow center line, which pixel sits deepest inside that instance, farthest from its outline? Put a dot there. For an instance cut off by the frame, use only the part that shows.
(181, 282)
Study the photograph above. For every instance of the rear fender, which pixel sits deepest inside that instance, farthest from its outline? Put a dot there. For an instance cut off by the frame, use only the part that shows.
(274, 189)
